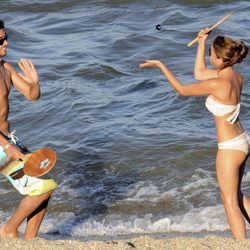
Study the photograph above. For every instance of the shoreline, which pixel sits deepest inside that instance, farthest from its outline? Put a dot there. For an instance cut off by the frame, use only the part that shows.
(157, 236)
(175, 241)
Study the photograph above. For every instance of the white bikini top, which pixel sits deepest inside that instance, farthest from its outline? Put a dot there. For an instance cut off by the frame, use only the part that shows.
(219, 109)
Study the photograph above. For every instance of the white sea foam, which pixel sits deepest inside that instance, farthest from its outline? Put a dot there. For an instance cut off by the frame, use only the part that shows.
(210, 219)
(246, 177)
(142, 191)
(196, 220)
(201, 181)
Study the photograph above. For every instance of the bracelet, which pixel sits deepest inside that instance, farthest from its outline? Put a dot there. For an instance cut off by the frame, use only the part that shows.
(6, 147)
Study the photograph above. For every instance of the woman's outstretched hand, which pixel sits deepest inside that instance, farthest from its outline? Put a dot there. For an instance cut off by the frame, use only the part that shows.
(151, 63)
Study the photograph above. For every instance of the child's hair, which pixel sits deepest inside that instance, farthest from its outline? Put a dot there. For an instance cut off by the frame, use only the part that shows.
(229, 51)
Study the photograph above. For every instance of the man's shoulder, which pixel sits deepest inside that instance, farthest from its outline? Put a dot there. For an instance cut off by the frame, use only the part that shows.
(8, 66)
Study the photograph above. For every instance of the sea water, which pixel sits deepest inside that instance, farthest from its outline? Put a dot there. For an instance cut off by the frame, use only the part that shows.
(134, 157)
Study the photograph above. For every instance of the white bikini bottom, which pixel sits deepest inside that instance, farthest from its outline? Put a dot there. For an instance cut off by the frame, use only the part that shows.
(241, 142)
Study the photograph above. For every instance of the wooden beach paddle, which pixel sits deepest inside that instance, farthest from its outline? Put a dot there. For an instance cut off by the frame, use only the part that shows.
(211, 28)
(39, 162)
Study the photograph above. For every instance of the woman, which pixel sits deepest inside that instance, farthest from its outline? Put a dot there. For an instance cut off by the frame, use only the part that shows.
(223, 85)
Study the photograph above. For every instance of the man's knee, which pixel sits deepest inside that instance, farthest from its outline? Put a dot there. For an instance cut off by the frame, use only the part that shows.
(45, 196)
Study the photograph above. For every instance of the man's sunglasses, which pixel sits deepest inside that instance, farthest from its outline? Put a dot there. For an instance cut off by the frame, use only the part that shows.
(5, 38)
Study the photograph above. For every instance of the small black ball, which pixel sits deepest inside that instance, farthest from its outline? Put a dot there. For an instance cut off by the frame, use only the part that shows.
(158, 27)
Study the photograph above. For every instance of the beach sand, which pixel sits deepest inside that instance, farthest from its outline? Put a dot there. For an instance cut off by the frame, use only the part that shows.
(142, 243)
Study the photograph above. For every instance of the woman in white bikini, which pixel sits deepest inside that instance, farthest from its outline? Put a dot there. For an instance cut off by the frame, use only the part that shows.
(223, 85)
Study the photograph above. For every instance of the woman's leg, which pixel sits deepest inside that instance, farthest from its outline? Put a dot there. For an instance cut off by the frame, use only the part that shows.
(26, 207)
(228, 164)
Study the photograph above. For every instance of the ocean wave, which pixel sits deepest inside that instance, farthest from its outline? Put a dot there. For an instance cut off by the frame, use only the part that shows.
(196, 220)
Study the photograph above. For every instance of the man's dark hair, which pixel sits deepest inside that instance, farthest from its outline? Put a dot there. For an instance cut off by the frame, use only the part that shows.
(1, 24)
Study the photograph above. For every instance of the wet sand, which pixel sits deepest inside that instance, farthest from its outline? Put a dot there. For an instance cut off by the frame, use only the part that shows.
(142, 243)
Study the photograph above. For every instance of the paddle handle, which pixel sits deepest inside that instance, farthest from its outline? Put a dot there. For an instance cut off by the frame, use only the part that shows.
(193, 42)
(210, 29)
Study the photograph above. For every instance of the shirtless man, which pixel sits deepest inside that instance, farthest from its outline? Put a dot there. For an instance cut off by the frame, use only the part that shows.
(36, 191)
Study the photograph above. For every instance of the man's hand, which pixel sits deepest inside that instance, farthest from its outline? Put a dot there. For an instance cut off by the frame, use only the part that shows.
(29, 71)
(14, 153)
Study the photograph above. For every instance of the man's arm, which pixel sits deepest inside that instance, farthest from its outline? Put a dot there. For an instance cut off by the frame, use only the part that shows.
(26, 82)
(11, 150)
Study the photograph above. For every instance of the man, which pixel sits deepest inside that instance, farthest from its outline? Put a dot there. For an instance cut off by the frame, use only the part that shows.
(36, 191)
